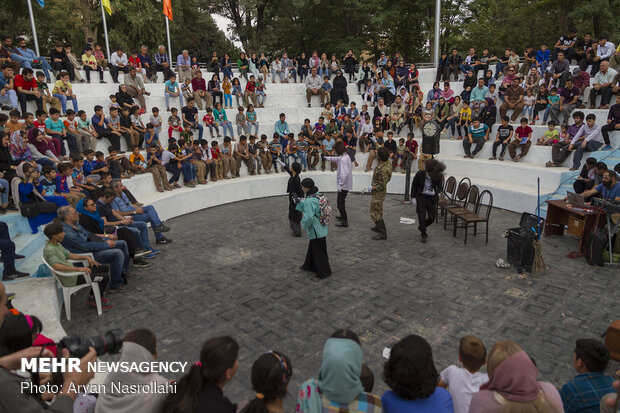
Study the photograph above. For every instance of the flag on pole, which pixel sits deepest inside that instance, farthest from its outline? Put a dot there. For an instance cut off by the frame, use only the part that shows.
(41, 3)
(106, 6)
(168, 9)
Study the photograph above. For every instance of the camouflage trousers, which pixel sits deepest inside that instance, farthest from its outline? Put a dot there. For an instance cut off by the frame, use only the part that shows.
(376, 206)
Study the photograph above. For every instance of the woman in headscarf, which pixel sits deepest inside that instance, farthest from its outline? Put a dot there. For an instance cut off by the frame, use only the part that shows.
(317, 260)
(453, 116)
(468, 84)
(338, 386)
(123, 98)
(339, 90)
(382, 113)
(44, 150)
(413, 79)
(512, 384)
(402, 75)
(38, 209)
(8, 165)
(295, 192)
(441, 112)
(434, 94)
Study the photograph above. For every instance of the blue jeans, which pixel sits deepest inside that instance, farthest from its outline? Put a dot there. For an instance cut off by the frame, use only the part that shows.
(303, 72)
(499, 68)
(465, 68)
(118, 259)
(9, 97)
(253, 125)
(226, 125)
(168, 96)
(63, 102)
(4, 196)
(141, 232)
(227, 99)
(44, 66)
(279, 74)
(45, 161)
(543, 67)
(200, 129)
(227, 71)
(150, 215)
(591, 146)
(324, 72)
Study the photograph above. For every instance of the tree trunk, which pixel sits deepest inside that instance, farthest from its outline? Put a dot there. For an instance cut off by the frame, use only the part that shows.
(87, 27)
(14, 17)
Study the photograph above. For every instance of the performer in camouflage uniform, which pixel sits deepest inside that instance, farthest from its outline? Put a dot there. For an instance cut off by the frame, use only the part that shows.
(380, 178)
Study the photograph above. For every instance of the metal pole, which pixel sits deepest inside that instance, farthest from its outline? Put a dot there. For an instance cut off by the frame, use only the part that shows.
(105, 30)
(408, 180)
(168, 34)
(34, 29)
(437, 27)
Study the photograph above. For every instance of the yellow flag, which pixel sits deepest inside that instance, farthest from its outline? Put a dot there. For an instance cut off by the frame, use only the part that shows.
(106, 6)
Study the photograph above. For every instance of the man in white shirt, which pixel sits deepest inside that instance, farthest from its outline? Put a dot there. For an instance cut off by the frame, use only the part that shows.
(344, 178)
(604, 51)
(313, 87)
(118, 62)
(600, 85)
(588, 139)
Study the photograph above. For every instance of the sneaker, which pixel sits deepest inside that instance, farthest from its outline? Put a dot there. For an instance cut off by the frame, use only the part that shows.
(163, 240)
(492, 158)
(16, 275)
(153, 251)
(7, 108)
(309, 105)
(161, 228)
(150, 256)
(606, 148)
(140, 263)
(501, 158)
(141, 253)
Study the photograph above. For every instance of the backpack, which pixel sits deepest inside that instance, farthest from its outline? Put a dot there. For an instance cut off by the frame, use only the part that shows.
(325, 208)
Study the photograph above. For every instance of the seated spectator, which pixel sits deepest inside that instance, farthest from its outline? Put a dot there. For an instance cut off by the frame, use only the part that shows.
(162, 63)
(172, 89)
(90, 63)
(604, 51)
(147, 64)
(613, 123)
(522, 140)
(587, 139)
(587, 176)
(601, 85)
(411, 375)
(101, 125)
(463, 382)
(118, 63)
(60, 61)
(135, 88)
(199, 87)
(75, 65)
(46, 95)
(63, 90)
(560, 69)
(79, 240)
(125, 207)
(124, 100)
(7, 247)
(512, 384)
(584, 392)
(8, 96)
(200, 389)
(550, 136)
(569, 100)
(608, 189)
(139, 346)
(38, 147)
(338, 385)
(31, 60)
(478, 133)
(25, 184)
(6, 49)
(513, 99)
(26, 89)
(271, 374)
(13, 396)
(58, 257)
(477, 98)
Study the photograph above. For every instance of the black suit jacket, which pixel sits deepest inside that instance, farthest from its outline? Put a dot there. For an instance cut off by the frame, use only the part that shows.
(417, 186)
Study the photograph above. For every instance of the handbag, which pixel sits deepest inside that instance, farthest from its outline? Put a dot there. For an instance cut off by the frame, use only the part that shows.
(33, 209)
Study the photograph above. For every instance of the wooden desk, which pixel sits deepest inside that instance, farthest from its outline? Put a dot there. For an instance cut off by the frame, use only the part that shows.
(577, 221)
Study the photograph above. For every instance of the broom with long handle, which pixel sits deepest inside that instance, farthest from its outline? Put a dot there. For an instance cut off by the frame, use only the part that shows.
(539, 262)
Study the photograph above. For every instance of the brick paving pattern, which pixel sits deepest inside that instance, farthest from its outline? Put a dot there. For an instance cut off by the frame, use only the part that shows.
(233, 270)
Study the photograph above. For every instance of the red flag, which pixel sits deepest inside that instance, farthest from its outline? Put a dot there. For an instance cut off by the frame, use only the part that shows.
(168, 9)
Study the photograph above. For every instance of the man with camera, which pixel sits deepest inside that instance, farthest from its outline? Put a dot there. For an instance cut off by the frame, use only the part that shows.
(12, 399)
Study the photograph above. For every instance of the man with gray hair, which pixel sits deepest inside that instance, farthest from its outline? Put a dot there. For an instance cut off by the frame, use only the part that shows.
(184, 63)
(107, 249)
(147, 63)
(162, 63)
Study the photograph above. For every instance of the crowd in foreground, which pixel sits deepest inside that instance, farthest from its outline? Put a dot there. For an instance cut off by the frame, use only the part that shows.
(344, 382)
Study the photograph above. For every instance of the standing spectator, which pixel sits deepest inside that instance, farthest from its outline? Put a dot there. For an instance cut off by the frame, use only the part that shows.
(565, 45)
(147, 64)
(90, 63)
(454, 62)
(512, 384)
(63, 90)
(412, 377)
(613, 123)
(513, 99)
(162, 63)
(135, 88)
(60, 61)
(200, 389)
(26, 88)
(184, 63)
(349, 64)
(118, 63)
(601, 85)
(588, 139)
(604, 51)
(31, 60)
(7, 88)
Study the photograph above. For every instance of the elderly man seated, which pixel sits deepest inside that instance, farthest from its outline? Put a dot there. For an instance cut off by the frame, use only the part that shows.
(123, 205)
(106, 249)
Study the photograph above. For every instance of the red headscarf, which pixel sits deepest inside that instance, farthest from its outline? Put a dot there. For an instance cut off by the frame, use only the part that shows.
(515, 379)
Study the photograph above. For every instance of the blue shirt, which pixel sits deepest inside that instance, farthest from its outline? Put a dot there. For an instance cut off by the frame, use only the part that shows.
(583, 393)
(281, 128)
(329, 144)
(610, 194)
(122, 203)
(89, 166)
(171, 87)
(95, 122)
(543, 56)
(438, 402)
(3, 81)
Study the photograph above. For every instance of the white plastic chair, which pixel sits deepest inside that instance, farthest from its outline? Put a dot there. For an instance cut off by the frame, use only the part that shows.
(68, 291)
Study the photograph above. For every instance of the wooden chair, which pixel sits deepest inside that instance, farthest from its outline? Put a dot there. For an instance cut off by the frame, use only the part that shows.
(459, 199)
(482, 212)
(447, 196)
(469, 206)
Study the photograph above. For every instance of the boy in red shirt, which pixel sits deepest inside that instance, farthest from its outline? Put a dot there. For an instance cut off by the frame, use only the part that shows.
(134, 61)
(523, 136)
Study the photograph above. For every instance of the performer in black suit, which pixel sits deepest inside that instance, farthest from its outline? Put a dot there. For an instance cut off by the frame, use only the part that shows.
(425, 190)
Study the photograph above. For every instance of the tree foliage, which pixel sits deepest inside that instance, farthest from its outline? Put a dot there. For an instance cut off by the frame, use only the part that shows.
(273, 26)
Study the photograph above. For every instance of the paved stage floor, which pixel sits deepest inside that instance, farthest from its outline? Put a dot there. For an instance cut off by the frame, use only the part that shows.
(234, 270)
